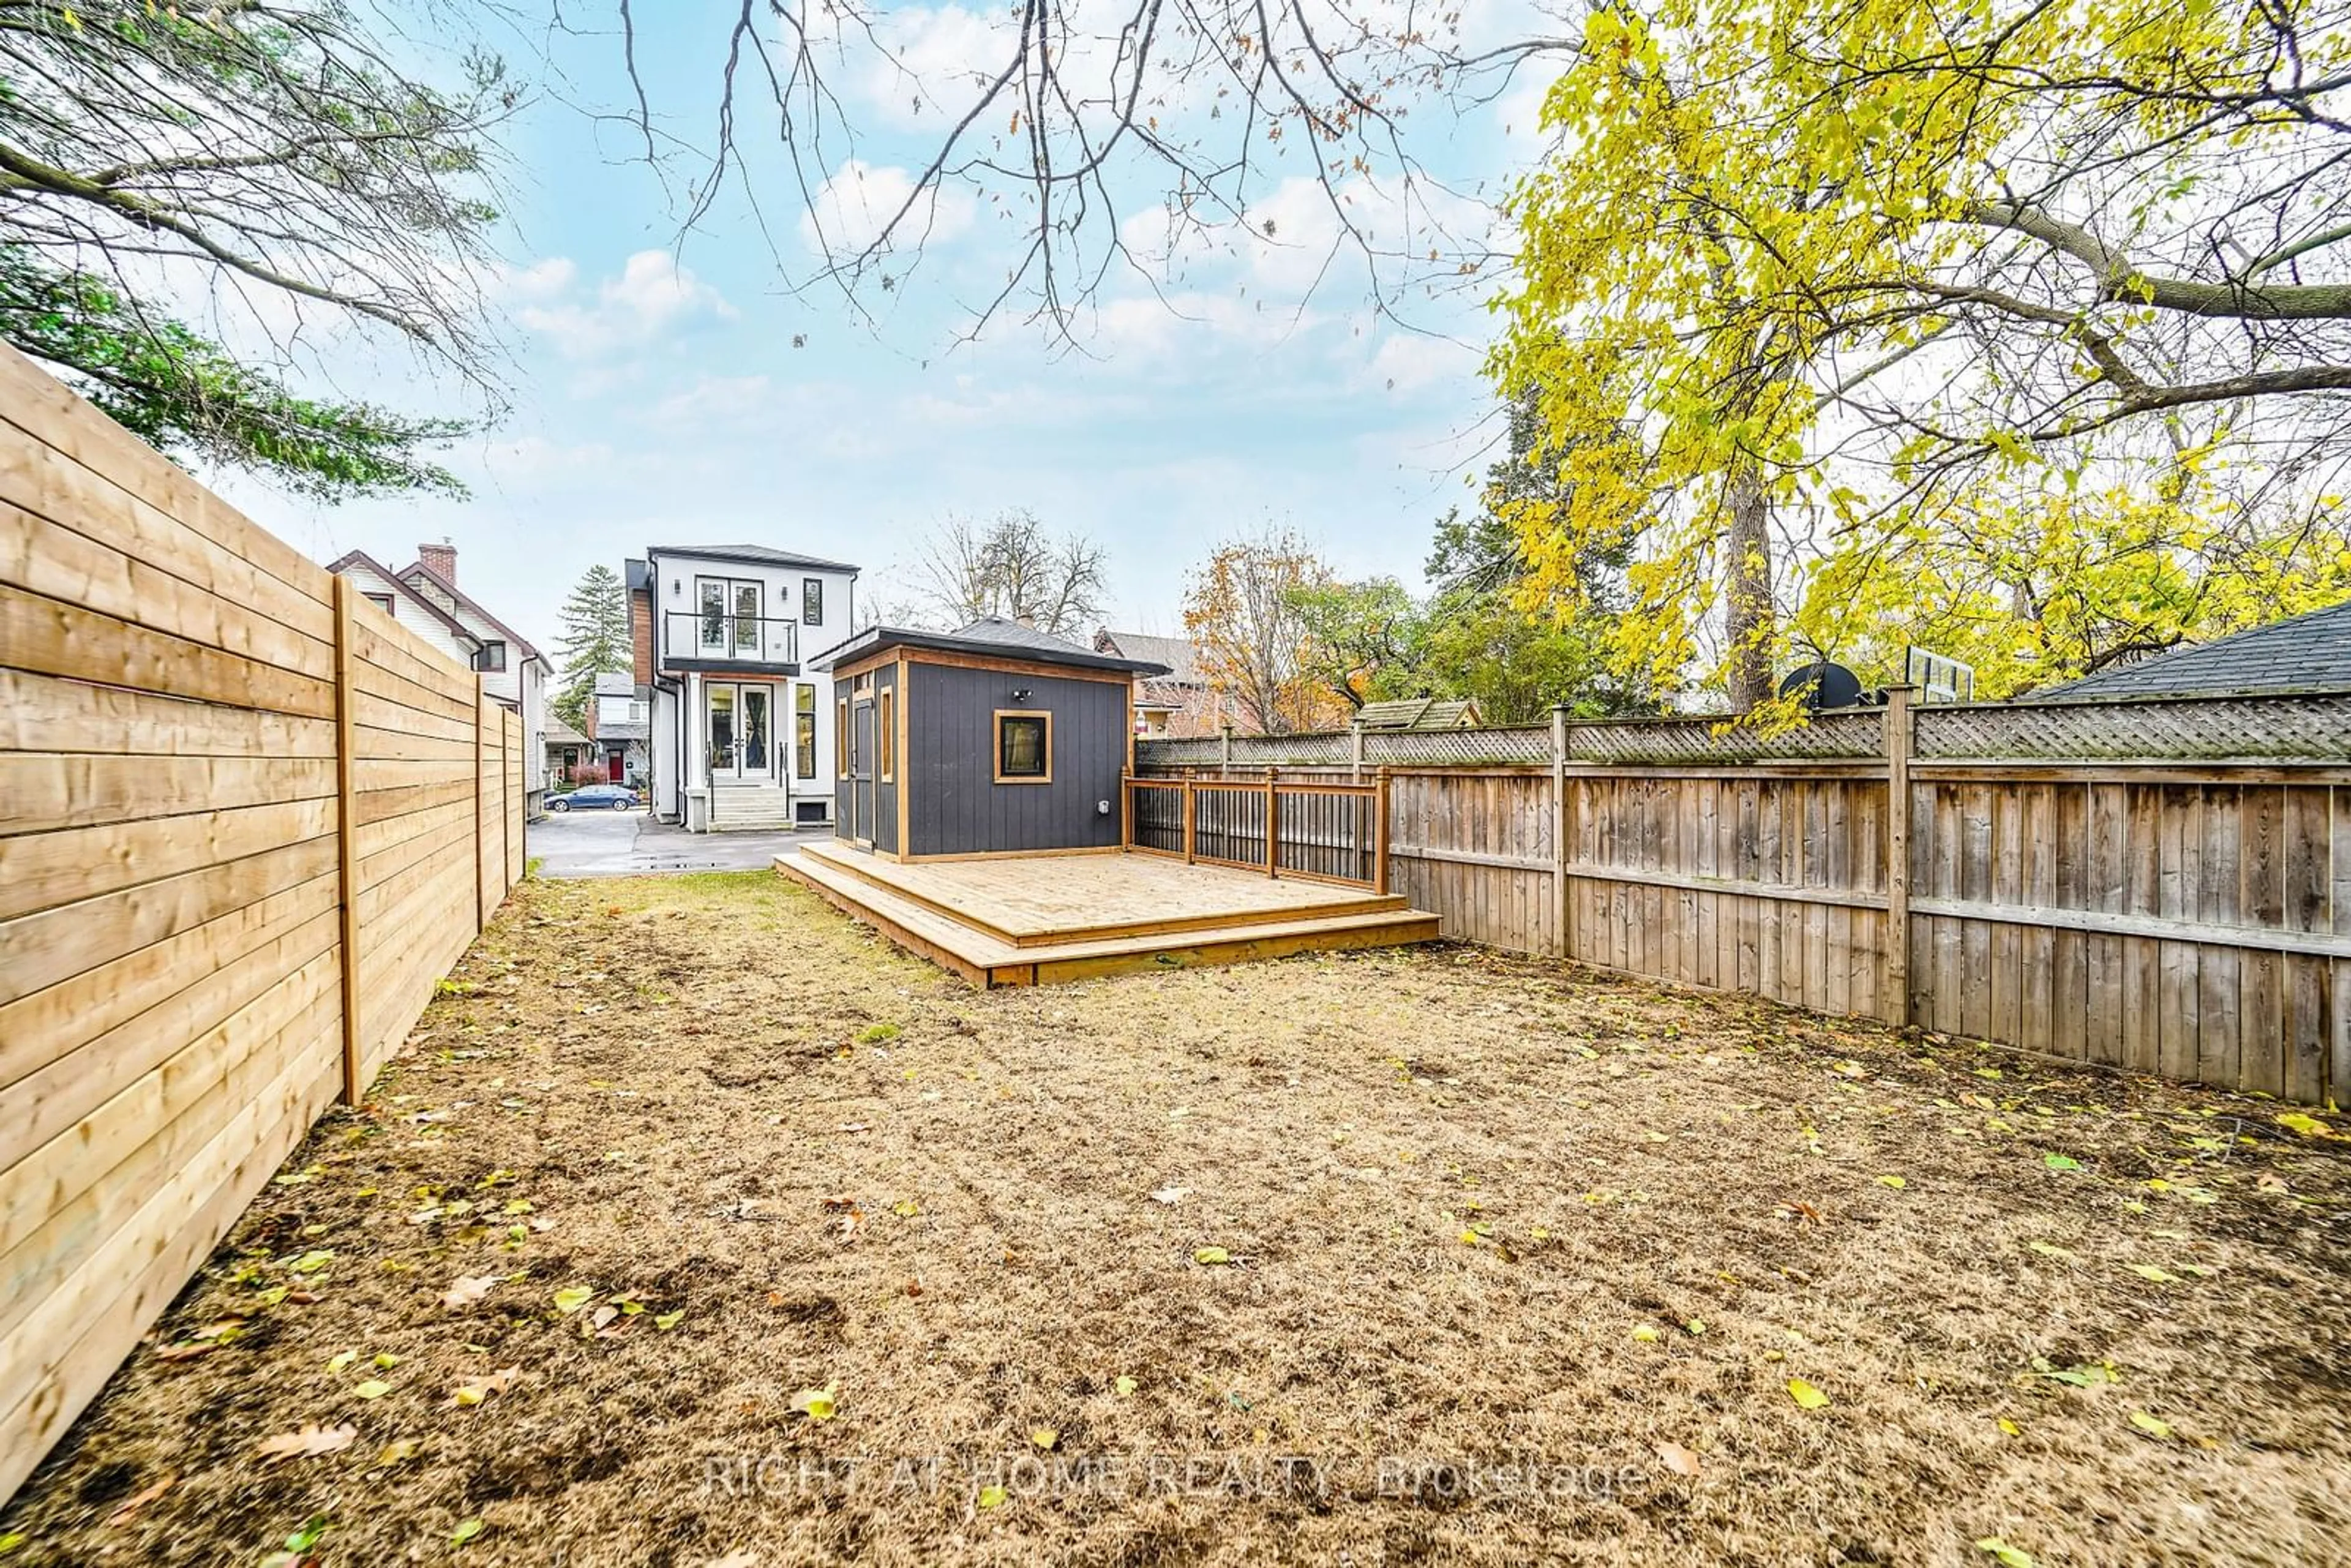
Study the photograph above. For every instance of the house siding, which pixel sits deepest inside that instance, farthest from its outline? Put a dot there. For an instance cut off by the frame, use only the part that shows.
(950, 762)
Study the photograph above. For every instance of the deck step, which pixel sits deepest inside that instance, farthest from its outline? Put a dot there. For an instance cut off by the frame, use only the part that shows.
(986, 961)
(862, 865)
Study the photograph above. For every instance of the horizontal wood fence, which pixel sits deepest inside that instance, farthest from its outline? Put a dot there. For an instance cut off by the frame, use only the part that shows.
(2163, 887)
(247, 824)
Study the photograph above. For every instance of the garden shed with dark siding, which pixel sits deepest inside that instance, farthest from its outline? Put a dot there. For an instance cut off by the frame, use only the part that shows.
(992, 739)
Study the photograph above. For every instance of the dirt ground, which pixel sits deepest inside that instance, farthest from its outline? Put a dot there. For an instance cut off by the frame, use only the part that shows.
(1430, 1255)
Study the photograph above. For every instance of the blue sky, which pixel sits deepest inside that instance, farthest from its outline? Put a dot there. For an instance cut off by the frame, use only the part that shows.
(656, 395)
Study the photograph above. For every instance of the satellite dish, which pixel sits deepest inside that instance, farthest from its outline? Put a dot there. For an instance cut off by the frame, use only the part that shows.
(1823, 686)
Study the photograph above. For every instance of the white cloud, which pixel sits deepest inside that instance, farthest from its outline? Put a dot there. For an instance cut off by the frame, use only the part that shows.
(861, 199)
(1408, 361)
(653, 295)
(935, 63)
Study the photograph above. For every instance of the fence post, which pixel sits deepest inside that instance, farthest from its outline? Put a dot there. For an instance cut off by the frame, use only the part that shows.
(1272, 824)
(1900, 730)
(1560, 903)
(347, 837)
(1379, 836)
(481, 899)
(1190, 819)
(1355, 750)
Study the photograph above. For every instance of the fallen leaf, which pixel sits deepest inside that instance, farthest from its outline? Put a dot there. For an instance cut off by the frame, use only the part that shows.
(1895, 1182)
(2048, 1250)
(399, 1450)
(666, 1321)
(1212, 1255)
(467, 1290)
(816, 1403)
(2148, 1271)
(1805, 1396)
(465, 1533)
(2006, 1555)
(188, 1352)
(1678, 1459)
(342, 1360)
(1170, 1194)
(312, 1438)
(128, 1508)
(991, 1497)
(1126, 1386)
(373, 1388)
(1046, 1437)
(473, 1392)
(2305, 1126)
(2153, 1428)
(1645, 1335)
(908, 1210)
(2061, 1162)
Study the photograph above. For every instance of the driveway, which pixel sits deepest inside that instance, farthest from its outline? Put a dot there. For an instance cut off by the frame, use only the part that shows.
(631, 844)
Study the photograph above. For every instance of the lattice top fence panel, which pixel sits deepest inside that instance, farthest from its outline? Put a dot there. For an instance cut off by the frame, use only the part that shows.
(1717, 742)
(1526, 746)
(2305, 729)
(2300, 728)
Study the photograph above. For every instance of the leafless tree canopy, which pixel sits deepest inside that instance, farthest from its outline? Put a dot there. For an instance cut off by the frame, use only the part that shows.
(1009, 566)
(1076, 116)
(276, 147)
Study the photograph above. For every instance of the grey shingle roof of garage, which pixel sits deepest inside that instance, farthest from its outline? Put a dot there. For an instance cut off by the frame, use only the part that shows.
(2310, 652)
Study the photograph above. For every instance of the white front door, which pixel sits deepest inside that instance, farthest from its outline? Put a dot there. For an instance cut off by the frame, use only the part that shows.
(739, 731)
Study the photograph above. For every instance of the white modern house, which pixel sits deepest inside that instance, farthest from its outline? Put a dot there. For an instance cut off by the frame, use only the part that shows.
(423, 596)
(740, 735)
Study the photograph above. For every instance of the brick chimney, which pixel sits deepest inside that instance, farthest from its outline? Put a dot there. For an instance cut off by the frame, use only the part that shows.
(441, 560)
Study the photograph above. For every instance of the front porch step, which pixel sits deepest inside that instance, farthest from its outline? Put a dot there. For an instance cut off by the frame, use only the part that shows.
(750, 811)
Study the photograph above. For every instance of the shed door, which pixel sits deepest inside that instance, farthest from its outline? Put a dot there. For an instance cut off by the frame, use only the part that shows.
(861, 771)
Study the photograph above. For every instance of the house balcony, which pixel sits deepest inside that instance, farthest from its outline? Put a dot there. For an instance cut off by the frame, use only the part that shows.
(717, 642)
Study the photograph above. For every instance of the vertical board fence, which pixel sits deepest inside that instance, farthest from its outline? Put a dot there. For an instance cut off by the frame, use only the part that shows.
(246, 822)
(2163, 887)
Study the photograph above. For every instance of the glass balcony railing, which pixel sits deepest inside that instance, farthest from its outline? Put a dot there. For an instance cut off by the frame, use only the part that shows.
(737, 639)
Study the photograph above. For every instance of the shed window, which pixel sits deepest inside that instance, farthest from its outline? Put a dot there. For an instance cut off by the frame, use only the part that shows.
(1024, 747)
(840, 734)
(885, 720)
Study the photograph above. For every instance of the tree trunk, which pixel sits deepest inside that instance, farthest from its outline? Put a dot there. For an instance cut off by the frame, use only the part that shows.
(1747, 588)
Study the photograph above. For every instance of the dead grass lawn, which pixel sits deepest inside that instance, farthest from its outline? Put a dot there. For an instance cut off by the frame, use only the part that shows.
(1512, 1251)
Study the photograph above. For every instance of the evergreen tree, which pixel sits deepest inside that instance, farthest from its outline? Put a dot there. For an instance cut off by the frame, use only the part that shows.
(594, 641)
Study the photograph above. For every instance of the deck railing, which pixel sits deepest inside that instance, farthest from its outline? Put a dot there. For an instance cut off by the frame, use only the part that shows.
(1318, 829)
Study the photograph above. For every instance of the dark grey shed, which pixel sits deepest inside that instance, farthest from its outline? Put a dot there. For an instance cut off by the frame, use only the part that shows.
(992, 739)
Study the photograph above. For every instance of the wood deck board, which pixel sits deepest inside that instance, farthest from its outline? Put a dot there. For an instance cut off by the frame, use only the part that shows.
(988, 960)
(1055, 899)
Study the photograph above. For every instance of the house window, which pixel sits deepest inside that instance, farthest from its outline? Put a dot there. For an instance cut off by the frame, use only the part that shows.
(381, 602)
(493, 657)
(804, 732)
(1024, 747)
(840, 734)
(884, 719)
(812, 601)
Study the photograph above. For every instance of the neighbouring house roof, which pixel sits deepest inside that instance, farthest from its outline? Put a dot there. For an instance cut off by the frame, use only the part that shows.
(561, 734)
(1419, 713)
(618, 684)
(624, 732)
(2309, 652)
(990, 635)
(639, 575)
(1177, 652)
(756, 555)
(458, 595)
(1164, 694)
(394, 582)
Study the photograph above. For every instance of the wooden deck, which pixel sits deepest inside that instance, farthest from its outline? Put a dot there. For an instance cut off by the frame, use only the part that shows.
(1048, 918)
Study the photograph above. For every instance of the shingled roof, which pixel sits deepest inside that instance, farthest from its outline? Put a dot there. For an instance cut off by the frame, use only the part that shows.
(2309, 652)
(1419, 713)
